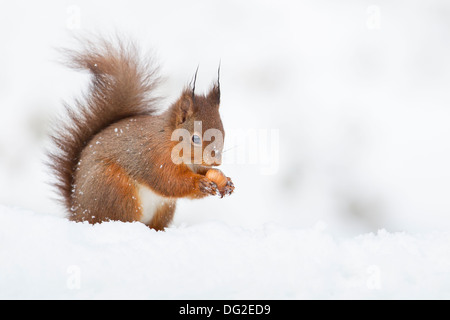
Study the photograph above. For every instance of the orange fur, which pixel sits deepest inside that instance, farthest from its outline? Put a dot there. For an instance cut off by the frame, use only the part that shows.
(163, 216)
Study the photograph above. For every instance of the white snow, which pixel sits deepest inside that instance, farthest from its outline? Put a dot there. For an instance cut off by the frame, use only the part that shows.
(48, 257)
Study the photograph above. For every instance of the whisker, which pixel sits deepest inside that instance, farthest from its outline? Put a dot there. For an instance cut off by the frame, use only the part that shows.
(231, 148)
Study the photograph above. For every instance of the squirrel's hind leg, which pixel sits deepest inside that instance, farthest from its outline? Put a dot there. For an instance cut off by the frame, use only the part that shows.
(163, 215)
(105, 194)
(157, 210)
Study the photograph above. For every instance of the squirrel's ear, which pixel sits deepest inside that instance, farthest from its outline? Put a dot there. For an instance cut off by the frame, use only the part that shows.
(214, 95)
(185, 107)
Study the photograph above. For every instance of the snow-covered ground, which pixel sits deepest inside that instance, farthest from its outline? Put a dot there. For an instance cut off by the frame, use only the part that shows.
(47, 257)
(348, 103)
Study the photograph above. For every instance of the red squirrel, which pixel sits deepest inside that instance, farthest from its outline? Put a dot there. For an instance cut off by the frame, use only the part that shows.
(113, 158)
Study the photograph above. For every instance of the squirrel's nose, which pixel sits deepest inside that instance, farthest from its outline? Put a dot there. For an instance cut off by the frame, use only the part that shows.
(215, 159)
(218, 158)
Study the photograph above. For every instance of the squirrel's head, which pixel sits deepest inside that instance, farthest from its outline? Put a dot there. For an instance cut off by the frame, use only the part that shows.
(196, 118)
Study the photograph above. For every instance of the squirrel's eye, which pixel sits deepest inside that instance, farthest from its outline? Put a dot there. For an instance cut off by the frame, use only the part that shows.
(196, 139)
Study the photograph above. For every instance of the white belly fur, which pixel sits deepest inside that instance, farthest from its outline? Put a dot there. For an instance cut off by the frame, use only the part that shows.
(149, 202)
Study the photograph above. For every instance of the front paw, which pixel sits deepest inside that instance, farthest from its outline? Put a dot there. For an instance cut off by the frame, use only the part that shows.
(208, 187)
(227, 189)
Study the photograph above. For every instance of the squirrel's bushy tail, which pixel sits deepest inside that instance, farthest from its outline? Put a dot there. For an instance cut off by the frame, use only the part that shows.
(122, 86)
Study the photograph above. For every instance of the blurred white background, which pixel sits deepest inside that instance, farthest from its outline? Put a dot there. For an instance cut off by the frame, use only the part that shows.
(357, 91)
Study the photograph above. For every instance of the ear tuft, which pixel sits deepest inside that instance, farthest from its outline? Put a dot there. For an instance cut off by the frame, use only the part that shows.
(214, 94)
(194, 80)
